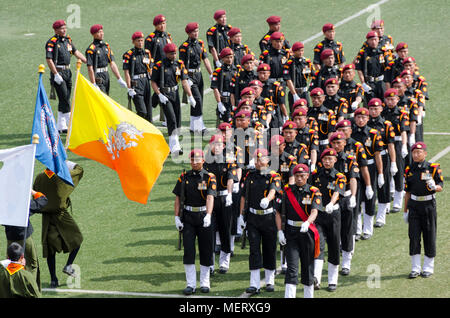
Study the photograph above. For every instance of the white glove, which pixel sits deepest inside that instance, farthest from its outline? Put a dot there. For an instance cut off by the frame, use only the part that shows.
(366, 87)
(190, 83)
(228, 200)
(218, 63)
(355, 105)
(419, 119)
(162, 98)
(122, 83)
(296, 97)
(264, 203)
(221, 108)
(404, 150)
(241, 223)
(394, 168)
(380, 180)
(285, 119)
(210, 76)
(369, 192)
(352, 202)
(192, 101)
(251, 164)
(412, 140)
(313, 167)
(131, 92)
(305, 226)
(431, 184)
(405, 216)
(178, 223)
(281, 238)
(329, 208)
(70, 165)
(236, 187)
(207, 220)
(58, 79)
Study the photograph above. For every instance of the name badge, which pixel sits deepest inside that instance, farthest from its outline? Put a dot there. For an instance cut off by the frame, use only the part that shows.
(323, 117)
(368, 143)
(331, 186)
(425, 176)
(306, 71)
(202, 186)
(284, 168)
(306, 200)
(146, 60)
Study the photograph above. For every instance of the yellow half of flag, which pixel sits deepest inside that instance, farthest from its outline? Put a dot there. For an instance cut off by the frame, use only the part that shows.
(104, 131)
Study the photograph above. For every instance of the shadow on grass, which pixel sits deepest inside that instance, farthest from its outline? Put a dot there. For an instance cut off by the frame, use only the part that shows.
(152, 213)
(154, 228)
(166, 260)
(14, 140)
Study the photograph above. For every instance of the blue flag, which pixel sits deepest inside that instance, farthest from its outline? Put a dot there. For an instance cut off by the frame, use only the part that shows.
(50, 150)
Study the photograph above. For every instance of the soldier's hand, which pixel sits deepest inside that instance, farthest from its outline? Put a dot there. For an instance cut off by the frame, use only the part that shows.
(405, 216)
(431, 184)
(305, 226)
(394, 168)
(369, 192)
(380, 180)
(221, 108)
(236, 187)
(218, 63)
(281, 238)
(412, 140)
(352, 202)
(296, 97)
(131, 92)
(366, 87)
(264, 203)
(122, 83)
(163, 99)
(355, 105)
(178, 223)
(229, 199)
(207, 220)
(70, 165)
(404, 150)
(241, 222)
(192, 101)
(58, 79)
(329, 208)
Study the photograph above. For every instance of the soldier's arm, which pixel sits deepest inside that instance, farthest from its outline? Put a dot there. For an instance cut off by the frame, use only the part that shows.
(379, 162)
(353, 186)
(209, 203)
(366, 176)
(80, 56)
(242, 205)
(278, 220)
(208, 66)
(407, 197)
(91, 74)
(128, 78)
(392, 155)
(291, 87)
(51, 66)
(115, 69)
(176, 206)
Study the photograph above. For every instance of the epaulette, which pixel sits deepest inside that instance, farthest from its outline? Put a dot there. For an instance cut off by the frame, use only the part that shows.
(351, 157)
(361, 51)
(342, 99)
(267, 37)
(286, 186)
(290, 61)
(340, 175)
(338, 43)
(373, 131)
(388, 122)
(407, 169)
(49, 173)
(421, 77)
(320, 44)
(218, 69)
(213, 28)
(435, 165)
(308, 60)
(291, 157)
(130, 52)
(200, 41)
(185, 44)
(92, 46)
(276, 83)
(312, 131)
(265, 52)
(314, 171)
(314, 189)
(273, 174)
(159, 63)
(152, 35)
(54, 39)
(211, 175)
(180, 61)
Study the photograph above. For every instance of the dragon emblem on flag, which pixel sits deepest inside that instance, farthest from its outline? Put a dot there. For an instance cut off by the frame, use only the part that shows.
(123, 137)
(49, 131)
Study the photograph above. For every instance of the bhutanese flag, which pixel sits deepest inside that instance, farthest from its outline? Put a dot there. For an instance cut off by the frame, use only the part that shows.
(104, 131)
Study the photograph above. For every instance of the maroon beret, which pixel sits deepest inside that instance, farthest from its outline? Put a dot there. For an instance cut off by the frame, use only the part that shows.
(247, 91)
(196, 153)
(243, 114)
(137, 35)
(405, 72)
(224, 126)
(263, 67)
(216, 138)
(398, 80)
(274, 19)
(95, 28)
(191, 27)
(256, 83)
(58, 23)
(297, 46)
(301, 168)
(276, 140)
(343, 124)
(409, 59)
(158, 19)
(375, 102)
(260, 152)
(326, 53)
(218, 14)
(246, 58)
(328, 152)
(289, 124)
(300, 111)
(401, 46)
(170, 48)
(419, 145)
(327, 27)
(348, 67)
(332, 80)
(225, 52)
(336, 136)
(316, 92)
(391, 92)
(276, 36)
(361, 111)
(371, 34)
(233, 31)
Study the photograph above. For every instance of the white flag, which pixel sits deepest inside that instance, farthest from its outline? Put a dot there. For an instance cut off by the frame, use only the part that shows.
(16, 179)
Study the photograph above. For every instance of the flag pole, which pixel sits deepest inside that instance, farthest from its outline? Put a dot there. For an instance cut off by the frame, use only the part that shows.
(69, 130)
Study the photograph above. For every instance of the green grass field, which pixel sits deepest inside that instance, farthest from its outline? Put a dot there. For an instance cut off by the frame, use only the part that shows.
(129, 247)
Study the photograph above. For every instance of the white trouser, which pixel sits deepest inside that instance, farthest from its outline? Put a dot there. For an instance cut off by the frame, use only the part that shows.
(333, 274)
(224, 259)
(197, 124)
(204, 276)
(283, 264)
(174, 143)
(269, 276)
(381, 213)
(217, 238)
(62, 121)
(191, 275)
(232, 243)
(368, 224)
(290, 290)
(428, 264)
(255, 278)
(308, 291)
(318, 265)
(415, 263)
(346, 259)
(398, 199)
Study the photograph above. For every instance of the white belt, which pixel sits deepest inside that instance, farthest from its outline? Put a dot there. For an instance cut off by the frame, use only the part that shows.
(139, 76)
(261, 212)
(226, 94)
(422, 198)
(383, 152)
(102, 69)
(302, 89)
(194, 70)
(370, 161)
(195, 208)
(323, 142)
(295, 223)
(398, 138)
(222, 193)
(376, 79)
(63, 67)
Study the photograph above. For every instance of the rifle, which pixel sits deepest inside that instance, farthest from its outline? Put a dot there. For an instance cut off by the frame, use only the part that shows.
(180, 213)
(244, 232)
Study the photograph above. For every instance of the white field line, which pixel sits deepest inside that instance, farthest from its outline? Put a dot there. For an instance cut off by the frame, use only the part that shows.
(440, 154)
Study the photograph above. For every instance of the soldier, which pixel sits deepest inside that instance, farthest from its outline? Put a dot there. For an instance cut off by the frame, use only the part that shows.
(274, 23)
(386, 41)
(155, 43)
(333, 101)
(192, 53)
(217, 36)
(166, 75)
(373, 64)
(298, 206)
(306, 134)
(400, 121)
(226, 176)
(327, 70)
(221, 85)
(401, 52)
(299, 71)
(276, 57)
(98, 56)
(419, 82)
(293, 146)
(331, 184)
(373, 144)
(235, 43)
(58, 51)
(259, 190)
(136, 67)
(243, 77)
(423, 180)
(388, 155)
(60, 232)
(329, 43)
(198, 188)
(347, 165)
(325, 117)
(349, 89)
